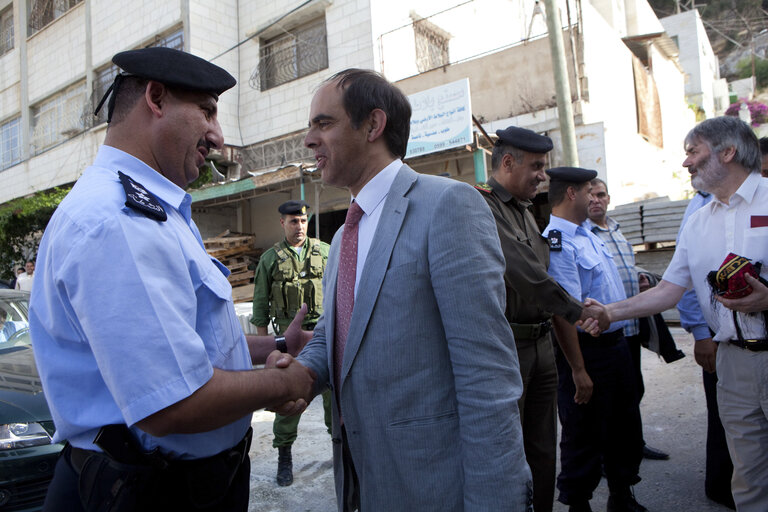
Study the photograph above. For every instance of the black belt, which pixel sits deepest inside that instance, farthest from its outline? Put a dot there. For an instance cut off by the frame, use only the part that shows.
(607, 339)
(78, 456)
(758, 345)
(530, 331)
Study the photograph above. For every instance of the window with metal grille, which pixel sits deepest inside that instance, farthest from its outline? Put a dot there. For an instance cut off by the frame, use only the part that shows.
(297, 53)
(43, 12)
(6, 30)
(275, 153)
(10, 143)
(106, 75)
(431, 46)
(58, 118)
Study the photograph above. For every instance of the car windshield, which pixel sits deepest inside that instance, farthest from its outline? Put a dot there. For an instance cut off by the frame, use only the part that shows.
(14, 324)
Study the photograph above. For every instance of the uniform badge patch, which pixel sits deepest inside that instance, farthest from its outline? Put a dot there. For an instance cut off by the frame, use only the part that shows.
(555, 240)
(484, 188)
(141, 199)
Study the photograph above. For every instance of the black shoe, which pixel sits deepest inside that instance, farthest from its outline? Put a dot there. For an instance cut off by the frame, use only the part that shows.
(580, 507)
(654, 454)
(284, 466)
(624, 502)
(724, 499)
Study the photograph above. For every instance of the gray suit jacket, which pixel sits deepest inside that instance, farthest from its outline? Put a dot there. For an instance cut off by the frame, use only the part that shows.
(430, 379)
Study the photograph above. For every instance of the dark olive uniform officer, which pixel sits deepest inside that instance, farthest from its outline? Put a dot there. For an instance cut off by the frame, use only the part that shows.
(290, 273)
(518, 163)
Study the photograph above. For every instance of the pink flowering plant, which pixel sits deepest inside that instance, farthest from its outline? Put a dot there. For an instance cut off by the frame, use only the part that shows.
(758, 111)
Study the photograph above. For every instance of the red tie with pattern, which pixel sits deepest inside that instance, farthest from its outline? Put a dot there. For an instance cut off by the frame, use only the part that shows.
(345, 287)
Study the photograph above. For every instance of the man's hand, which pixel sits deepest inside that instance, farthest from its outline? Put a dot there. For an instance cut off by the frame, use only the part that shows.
(755, 301)
(594, 318)
(584, 386)
(300, 382)
(642, 280)
(704, 352)
(295, 338)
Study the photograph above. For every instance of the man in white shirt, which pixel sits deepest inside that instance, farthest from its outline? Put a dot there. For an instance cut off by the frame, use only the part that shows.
(24, 281)
(723, 157)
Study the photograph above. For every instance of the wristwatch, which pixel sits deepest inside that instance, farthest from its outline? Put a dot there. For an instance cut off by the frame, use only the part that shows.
(280, 344)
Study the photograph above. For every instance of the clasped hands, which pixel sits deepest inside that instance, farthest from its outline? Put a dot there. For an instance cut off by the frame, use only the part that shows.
(299, 379)
(595, 317)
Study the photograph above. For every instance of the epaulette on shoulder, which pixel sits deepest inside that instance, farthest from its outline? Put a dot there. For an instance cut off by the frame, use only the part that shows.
(484, 188)
(141, 199)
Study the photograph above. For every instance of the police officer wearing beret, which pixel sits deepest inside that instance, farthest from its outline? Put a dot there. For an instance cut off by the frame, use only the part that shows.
(142, 359)
(518, 162)
(604, 432)
(290, 273)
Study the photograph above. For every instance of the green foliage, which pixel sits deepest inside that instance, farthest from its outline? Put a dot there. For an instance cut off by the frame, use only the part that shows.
(22, 222)
(761, 71)
(205, 176)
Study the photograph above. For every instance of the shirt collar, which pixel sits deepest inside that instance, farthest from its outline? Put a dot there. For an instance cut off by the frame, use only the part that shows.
(612, 225)
(745, 192)
(564, 226)
(506, 196)
(374, 192)
(116, 160)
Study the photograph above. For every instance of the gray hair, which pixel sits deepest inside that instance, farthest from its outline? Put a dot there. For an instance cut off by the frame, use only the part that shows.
(723, 132)
(500, 150)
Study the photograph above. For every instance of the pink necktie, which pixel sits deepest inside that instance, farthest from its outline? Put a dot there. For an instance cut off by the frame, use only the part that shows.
(345, 287)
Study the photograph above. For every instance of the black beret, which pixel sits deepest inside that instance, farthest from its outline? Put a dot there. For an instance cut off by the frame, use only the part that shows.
(294, 208)
(175, 68)
(571, 174)
(524, 139)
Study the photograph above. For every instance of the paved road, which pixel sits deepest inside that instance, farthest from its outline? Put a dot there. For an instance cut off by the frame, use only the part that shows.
(674, 416)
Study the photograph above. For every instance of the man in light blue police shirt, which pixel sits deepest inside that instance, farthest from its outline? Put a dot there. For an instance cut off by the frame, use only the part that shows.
(133, 323)
(606, 431)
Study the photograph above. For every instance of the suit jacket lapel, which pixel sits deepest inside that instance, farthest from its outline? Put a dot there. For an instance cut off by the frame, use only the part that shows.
(377, 261)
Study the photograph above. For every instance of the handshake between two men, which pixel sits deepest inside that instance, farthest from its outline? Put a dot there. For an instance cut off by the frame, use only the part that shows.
(297, 380)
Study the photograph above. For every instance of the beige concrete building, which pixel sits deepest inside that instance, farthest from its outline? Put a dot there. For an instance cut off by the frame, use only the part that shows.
(626, 82)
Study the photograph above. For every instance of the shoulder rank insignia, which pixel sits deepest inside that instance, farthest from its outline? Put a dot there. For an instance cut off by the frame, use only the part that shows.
(484, 188)
(139, 198)
(555, 240)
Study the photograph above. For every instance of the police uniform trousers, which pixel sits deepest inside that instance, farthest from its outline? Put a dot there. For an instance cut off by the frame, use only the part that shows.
(606, 431)
(538, 414)
(719, 468)
(285, 428)
(742, 397)
(170, 494)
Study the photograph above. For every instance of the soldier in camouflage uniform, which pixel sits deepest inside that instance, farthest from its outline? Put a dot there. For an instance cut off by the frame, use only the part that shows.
(289, 274)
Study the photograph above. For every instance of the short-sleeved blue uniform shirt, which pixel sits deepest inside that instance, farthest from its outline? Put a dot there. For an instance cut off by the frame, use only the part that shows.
(129, 314)
(583, 266)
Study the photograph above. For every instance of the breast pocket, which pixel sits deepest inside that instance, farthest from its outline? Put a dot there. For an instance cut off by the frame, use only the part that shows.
(217, 322)
(755, 246)
(589, 272)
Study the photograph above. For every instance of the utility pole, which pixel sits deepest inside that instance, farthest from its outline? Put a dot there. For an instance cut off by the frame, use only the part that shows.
(562, 88)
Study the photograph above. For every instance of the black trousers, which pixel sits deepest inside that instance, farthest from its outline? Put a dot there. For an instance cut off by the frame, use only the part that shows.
(717, 480)
(604, 432)
(63, 494)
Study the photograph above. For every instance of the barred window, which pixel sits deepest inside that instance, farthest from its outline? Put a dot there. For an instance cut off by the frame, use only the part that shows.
(10, 143)
(106, 75)
(275, 153)
(297, 53)
(43, 12)
(431, 46)
(6, 30)
(58, 118)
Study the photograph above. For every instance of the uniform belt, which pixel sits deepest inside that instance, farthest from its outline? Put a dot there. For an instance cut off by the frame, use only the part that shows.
(78, 456)
(530, 331)
(607, 339)
(755, 345)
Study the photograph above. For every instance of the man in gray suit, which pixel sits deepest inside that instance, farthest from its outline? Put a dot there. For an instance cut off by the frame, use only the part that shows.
(413, 341)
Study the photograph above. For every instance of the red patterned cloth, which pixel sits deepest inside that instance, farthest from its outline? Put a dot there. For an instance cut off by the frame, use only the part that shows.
(729, 280)
(345, 287)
